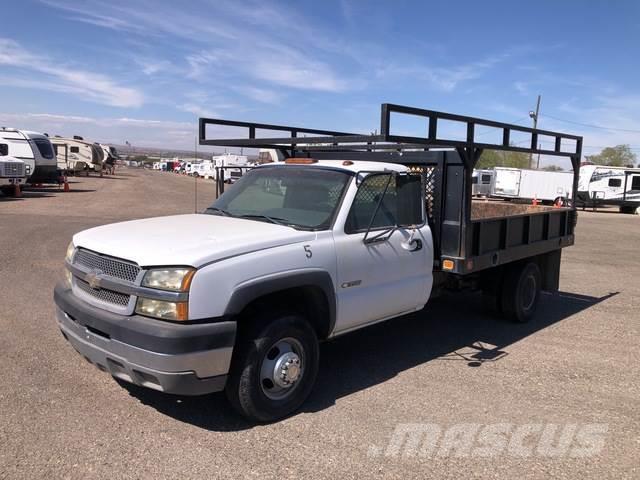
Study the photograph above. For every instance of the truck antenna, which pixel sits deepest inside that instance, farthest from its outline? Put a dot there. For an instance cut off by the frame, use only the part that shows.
(195, 181)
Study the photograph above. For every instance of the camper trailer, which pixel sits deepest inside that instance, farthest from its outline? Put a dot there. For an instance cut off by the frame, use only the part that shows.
(76, 155)
(602, 185)
(481, 182)
(527, 185)
(109, 156)
(35, 150)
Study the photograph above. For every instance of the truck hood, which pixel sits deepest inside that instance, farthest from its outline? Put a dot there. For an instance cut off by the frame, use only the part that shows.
(186, 239)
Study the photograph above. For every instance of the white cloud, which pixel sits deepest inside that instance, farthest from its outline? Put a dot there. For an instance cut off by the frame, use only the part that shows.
(66, 78)
(446, 79)
(254, 40)
(259, 94)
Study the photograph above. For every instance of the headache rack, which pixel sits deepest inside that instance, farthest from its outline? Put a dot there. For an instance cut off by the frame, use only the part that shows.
(463, 242)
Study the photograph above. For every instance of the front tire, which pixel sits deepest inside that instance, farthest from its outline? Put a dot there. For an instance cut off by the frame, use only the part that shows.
(274, 367)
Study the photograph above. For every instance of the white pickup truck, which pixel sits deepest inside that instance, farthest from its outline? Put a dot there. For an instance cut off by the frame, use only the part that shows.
(12, 174)
(237, 298)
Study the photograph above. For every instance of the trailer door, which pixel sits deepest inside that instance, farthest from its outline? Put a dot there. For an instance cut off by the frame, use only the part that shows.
(507, 182)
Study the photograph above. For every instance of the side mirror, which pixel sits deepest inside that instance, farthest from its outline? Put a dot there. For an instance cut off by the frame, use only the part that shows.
(410, 200)
(4, 149)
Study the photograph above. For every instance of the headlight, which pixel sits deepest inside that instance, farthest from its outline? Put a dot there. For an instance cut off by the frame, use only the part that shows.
(68, 278)
(175, 279)
(71, 249)
(177, 311)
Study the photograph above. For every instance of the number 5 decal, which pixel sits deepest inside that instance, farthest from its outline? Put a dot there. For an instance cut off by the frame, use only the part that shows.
(308, 252)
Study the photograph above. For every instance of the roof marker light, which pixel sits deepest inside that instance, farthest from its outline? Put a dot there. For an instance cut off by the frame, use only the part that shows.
(301, 161)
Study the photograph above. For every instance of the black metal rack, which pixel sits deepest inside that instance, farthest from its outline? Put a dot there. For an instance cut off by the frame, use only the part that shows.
(447, 164)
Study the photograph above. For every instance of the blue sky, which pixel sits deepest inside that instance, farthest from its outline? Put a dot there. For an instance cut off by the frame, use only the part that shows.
(143, 71)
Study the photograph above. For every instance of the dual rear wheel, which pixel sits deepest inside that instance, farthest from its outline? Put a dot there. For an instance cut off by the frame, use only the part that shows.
(516, 292)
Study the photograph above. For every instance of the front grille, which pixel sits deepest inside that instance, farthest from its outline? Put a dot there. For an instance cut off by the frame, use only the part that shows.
(11, 169)
(108, 296)
(109, 266)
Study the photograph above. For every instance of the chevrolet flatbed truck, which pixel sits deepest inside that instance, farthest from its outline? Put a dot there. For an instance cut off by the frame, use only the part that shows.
(349, 230)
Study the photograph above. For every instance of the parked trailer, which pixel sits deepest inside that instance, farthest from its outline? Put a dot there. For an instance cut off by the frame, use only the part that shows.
(604, 185)
(481, 181)
(527, 185)
(348, 231)
(36, 150)
(76, 155)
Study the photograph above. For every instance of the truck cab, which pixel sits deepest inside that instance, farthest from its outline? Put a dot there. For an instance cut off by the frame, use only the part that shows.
(12, 172)
(238, 297)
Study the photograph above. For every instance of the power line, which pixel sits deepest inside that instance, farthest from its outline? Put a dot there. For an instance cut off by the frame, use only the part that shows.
(628, 130)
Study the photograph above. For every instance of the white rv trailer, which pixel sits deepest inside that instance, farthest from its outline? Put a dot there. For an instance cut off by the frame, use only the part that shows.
(35, 150)
(526, 185)
(481, 182)
(75, 155)
(603, 185)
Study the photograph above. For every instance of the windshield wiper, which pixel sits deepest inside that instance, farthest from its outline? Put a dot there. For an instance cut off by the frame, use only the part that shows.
(277, 221)
(222, 211)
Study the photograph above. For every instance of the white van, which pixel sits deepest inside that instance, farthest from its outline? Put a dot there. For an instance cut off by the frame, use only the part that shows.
(37, 152)
(230, 175)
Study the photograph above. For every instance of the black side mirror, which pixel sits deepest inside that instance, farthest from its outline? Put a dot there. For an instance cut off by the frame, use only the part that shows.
(410, 200)
(4, 149)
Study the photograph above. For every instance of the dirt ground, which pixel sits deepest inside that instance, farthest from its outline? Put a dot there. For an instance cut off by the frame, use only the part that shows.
(450, 365)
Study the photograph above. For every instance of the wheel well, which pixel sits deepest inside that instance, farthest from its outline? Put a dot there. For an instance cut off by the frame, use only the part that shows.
(308, 301)
(548, 263)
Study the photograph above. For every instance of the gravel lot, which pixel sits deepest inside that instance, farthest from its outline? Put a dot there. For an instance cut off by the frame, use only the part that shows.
(450, 364)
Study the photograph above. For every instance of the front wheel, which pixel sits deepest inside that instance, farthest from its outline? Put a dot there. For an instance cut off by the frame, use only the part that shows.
(274, 367)
(521, 292)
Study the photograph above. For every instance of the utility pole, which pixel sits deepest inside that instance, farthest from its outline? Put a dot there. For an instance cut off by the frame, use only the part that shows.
(534, 117)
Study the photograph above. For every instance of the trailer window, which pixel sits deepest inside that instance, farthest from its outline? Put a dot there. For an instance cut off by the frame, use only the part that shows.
(74, 149)
(44, 147)
(635, 182)
(486, 179)
(365, 202)
(615, 182)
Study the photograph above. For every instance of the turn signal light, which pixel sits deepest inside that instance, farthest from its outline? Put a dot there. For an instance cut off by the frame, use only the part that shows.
(448, 265)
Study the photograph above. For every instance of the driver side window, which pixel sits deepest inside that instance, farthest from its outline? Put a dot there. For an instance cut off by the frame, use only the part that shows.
(364, 205)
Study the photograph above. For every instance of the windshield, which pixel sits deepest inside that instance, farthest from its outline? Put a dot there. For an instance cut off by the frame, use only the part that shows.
(44, 147)
(300, 197)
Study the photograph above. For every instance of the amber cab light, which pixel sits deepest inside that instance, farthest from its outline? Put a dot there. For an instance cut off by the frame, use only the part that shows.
(301, 161)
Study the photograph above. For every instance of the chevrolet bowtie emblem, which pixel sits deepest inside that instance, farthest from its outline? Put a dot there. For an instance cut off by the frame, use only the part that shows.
(93, 279)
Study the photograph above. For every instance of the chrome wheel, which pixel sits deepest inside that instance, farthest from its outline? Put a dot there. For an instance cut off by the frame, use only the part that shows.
(282, 368)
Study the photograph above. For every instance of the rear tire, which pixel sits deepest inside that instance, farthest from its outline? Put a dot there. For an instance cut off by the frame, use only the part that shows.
(274, 367)
(521, 292)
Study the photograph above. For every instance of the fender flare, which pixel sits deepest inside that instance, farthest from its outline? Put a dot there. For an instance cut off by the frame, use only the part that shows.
(256, 288)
